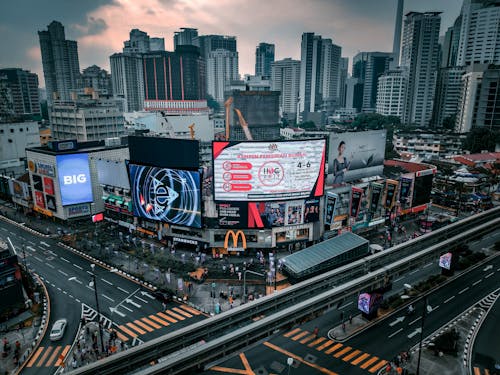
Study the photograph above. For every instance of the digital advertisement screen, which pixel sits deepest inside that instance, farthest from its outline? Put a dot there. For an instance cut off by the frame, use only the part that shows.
(39, 201)
(37, 182)
(74, 179)
(48, 185)
(264, 171)
(364, 302)
(422, 190)
(331, 204)
(19, 189)
(445, 261)
(51, 202)
(311, 210)
(356, 195)
(167, 195)
(376, 193)
(390, 194)
(352, 156)
(405, 193)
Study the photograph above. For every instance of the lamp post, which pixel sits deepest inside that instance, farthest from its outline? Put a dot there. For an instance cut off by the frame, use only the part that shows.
(425, 310)
(289, 362)
(245, 283)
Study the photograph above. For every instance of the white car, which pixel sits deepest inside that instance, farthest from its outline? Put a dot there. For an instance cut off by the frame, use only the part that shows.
(58, 328)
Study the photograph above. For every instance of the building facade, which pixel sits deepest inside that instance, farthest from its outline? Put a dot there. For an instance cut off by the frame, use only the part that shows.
(15, 137)
(264, 57)
(96, 78)
(447, 97)
(140, 42)
(186, 36)
(127, 79)
(87, 120)
(21, 87)
(391, 93)
(285, 78)
(222, 68)
(428, 145)
(420, 57)
(330, 76)
(61, 67)
(310, 64)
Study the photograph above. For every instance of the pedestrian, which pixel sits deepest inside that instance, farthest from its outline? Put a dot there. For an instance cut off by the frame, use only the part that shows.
(315, 332)
(388, 368)
(350, 319)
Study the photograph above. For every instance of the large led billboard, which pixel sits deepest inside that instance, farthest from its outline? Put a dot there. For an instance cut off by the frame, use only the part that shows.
(264, 171)
(445, 261)
(73, 174)
(167, 195)
(352, 156)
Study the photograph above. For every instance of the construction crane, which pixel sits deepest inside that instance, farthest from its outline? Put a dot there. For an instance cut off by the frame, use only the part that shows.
(244, 125)
(227, 104)
(191, 130)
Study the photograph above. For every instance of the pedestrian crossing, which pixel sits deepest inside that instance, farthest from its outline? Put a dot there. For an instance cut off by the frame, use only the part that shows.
(48, 356)
(350, 355)
(482, 371)
(142, 326)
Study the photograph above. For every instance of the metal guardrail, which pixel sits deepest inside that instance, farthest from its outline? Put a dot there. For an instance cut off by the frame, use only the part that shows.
(209, 330)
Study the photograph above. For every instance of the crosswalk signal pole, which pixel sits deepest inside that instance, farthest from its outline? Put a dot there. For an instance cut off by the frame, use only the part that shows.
(97, 306)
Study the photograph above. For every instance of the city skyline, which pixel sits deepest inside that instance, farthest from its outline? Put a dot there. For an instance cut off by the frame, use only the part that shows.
(98, 28)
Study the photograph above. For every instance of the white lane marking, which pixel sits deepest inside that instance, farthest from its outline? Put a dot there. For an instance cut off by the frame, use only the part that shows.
(78, 281)
(428, 264)
(69, 295)
(435, 307)
(77, 266)
(116, 311)
(147, 295)
(344, 306)
(106, 281)
(38, 259)
(477, 282)
(399, 279)
(133, 303)
(449, 299)
(416, 320)
(90, 273)
(140, 299)
(67, 261)
(4, 229)
(415, 271)
(488, 275)
(398, 320)
(126, 308)
(463, 290)
(123, 290)
(64, 273)
(50, 265)
(31, 248)
(417, 331)
(105, 296)
(395, 333)
(44, 244)
(77, 300)
(59, 289)
(31, 242)
(65, 292)
(92, 289)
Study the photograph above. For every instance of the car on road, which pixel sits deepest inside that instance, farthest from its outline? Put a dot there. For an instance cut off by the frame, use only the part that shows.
(58, 328)
(164, 296)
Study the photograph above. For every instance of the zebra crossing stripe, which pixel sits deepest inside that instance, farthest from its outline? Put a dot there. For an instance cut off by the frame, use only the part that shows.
(360, 359)
(342, 352)
(166, 317)
(333, 348)
(348, 357)
(128, 331)
(316, 342)
(44, 356)
(182, 312)
(378, 366)
(141, 324)
(369, 362)
(291, 333)
(190, 309)
(62, 356)
(155, 318)
(300, 335)
(325, 345)
(35, 356)
(53, 356)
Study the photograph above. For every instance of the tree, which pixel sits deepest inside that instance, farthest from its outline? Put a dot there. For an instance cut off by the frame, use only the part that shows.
(368, 121)
(480, 139)
(308, 125)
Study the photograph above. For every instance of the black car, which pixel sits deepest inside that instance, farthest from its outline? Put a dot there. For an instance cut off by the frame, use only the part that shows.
(163, 296)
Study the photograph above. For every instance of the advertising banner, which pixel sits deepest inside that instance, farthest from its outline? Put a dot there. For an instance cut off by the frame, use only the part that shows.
(406, 192)
(74, 179)
(311, 210)
(422, 190)
(376, 193)
(356, 195)
(445, 261)
(39, 201)
(37, 182)
(19, 189)
(390, 193)
(79, 210)
(41, 168)
(364, 302)
(48, 185)
(331, 205)
(51, 202)
(264, 171)
(352, 156)
(168, 195)
(233, 215)
(112, 173)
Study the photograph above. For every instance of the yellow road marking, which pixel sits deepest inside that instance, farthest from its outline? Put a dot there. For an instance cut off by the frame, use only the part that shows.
(378, 366)
(53, 356)
(151, 323)
(121, 337)
(369, 362)
(333, 348)
(44, 357)
(229, 370)
(176, 316)
(292, 332)
(325, 345)
(128, 331)
(299, 359)
(300, 335)
(141, 324)
(360, 359)
(348, 357)
(190, 309)
(62, 356)
(307, 339)
(477, 371)
(244, 360)
(35, 356)
(316, 342)
(342, 352)
(155, 318)
(182, 312)
(166, 317)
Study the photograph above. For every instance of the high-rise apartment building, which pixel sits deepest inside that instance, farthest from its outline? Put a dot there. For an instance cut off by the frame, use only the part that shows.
(178, 75)
(329, 76)
(447, 96)
(420, 57)
(128, 80)
(187, 36)
(61, 67)
(141, 42)
(479, 34)
(209, 43)
(449, 48)
(391, 93)
(96, 78)
(87, 119)
(264, 57)
(21, 87)
(222, 68)
(344, 66)
(285, 78)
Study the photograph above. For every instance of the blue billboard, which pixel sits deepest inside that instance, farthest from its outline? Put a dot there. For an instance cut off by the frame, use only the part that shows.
(73, 173)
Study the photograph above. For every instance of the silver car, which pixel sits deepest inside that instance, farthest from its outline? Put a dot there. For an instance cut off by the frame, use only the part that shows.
(58, 328)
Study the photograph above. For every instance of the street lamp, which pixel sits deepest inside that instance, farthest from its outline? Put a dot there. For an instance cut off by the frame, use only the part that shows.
(94, 284)
(245, 283)
(289, 362)
(427, 309)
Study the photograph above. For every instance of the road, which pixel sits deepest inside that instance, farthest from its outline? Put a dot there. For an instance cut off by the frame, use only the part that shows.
(126, 307)
(369, 350)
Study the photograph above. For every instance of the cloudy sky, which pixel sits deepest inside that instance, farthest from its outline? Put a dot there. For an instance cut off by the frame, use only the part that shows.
(101, 26)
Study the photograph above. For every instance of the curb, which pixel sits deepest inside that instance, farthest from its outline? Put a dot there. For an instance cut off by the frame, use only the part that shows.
(43, 327)
(26, 228)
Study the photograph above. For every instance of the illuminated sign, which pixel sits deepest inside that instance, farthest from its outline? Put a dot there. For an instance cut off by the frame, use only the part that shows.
(262, 171)
(48, 185)
(51, 202)
(390, 193)
(97, 217)
(39, 201)
(74, 179)
(235, 237)
(79, 210)
(168, 195)
(364, 302)
(445, 261)
(331, 203)
(356, 195)
(41, 168)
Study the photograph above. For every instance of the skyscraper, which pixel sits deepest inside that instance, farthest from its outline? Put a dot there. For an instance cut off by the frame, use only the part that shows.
(310, 63)
(140, 42)
(449, 49)
(96, 78)
(420, 57)
(209, 43)
(329, 76)
(396, 43)
(285, 78)
(127, 78)
(264, 57)
(344, 66)
(61, 67)
(22, 88)
(186, 36)
(391, 93)
(448, 90)
(222, 68)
